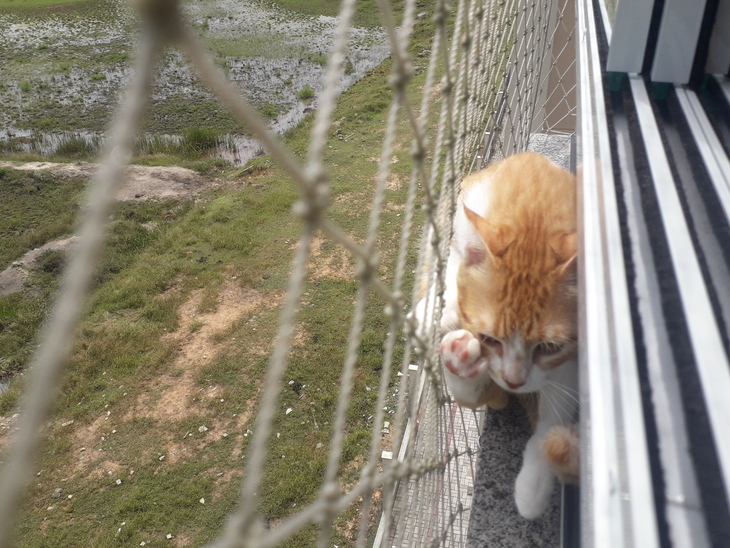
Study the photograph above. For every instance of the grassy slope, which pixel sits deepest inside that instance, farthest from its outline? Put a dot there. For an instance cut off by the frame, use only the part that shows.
(122, 351)
(35, 207)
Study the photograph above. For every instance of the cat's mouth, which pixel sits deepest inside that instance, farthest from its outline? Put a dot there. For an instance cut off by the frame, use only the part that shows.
(515, 388)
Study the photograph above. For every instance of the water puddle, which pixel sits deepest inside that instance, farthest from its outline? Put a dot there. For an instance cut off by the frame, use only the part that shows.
(78, 67)
(233, 148)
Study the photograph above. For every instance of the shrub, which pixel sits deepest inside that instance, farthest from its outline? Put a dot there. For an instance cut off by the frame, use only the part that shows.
(269, 110)
(75, 147)
(199, 140)
(319, 59)
(306, 93)
(51, 261)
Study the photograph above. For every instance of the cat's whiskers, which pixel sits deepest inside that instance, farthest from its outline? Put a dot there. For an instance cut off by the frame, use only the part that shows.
(551, 400)
(565, 390)
(565, 386)
(556, 398)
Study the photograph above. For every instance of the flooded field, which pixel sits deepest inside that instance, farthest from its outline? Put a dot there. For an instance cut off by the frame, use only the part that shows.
(62, 72)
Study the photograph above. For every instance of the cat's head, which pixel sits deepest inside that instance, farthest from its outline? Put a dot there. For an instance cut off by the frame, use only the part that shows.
(517, 293)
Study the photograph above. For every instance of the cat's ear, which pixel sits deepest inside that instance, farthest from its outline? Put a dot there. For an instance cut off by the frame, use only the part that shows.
(476, 252)
(565, 247)
(494, 238)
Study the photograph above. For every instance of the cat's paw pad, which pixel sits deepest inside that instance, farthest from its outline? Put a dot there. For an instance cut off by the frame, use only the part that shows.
(533, 489)
(460, 353)
(465, 371)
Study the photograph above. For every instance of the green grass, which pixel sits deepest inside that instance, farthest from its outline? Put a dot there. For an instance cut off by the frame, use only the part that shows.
(35, 4)
(366, 14)
(125, 357)
(176, 112)
(260, 45)
(306, 93)
(269, 110)
(76, 148)
(35, 207)
(22, 314)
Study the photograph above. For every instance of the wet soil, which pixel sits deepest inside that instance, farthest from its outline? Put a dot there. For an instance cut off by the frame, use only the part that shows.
(64, 71)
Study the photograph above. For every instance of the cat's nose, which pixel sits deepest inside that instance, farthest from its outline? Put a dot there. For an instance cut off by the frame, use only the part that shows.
(513, 379)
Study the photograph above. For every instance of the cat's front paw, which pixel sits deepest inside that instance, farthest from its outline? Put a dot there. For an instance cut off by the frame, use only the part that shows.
(460, 353)
(533, 489)
(466, 372)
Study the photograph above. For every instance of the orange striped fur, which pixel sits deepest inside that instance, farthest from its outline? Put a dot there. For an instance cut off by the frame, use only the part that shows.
(525, 284)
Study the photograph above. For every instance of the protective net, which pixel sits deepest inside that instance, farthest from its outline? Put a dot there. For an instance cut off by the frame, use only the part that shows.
(501, 77)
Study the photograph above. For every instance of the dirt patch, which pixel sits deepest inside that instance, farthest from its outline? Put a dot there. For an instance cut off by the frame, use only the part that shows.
(332, 265)
(391, 207)
(215, 429)
(12, 279)
(393, 159)
(88, 449)
(107, 469)
(345, 198)
(395, 182)
(177, 394)
(140, 182)
(8, 427)
(436, 91)
(169, 396)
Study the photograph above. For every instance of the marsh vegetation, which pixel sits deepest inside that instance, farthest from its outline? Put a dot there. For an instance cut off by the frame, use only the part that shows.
(64, 70)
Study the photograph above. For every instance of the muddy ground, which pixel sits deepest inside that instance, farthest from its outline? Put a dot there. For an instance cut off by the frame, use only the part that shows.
(62, 72)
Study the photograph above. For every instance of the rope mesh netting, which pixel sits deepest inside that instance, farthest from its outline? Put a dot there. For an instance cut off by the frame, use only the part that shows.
(501, 77)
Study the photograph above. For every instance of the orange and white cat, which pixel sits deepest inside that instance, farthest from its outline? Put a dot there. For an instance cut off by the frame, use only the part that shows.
(509, 321)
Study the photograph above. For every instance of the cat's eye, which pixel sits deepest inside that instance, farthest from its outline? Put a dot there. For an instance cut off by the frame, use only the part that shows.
(548, 349)
(490, 342)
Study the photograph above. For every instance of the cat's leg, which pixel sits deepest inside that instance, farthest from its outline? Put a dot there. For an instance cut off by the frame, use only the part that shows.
(425, 310)
(466, 372)
(450, 317)
(557, 406)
